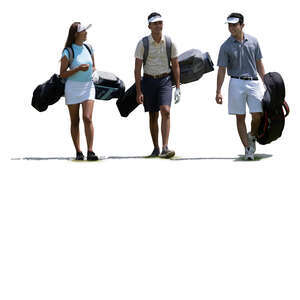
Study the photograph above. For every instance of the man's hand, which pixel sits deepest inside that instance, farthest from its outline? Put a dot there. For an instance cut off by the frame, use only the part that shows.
(220, 80)
(219, 98)
(177, 95)
(140, 98)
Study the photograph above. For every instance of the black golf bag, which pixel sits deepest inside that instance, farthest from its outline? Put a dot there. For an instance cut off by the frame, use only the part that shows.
(274, 104)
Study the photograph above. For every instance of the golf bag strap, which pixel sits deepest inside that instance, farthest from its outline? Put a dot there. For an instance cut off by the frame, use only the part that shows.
(169, 49)
(146, 49)
(286, 108)
(89, 48)
(71, 54)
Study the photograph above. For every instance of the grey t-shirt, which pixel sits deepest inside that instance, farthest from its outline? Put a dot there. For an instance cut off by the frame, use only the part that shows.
(240, 57)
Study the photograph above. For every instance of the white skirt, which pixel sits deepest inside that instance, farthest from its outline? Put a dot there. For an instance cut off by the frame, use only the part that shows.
(78, 92)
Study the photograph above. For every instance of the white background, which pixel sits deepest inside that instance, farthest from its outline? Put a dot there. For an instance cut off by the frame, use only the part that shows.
(204, 226)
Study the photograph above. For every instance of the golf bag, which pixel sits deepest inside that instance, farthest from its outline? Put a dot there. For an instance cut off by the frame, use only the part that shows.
(193, 64)
(48, 93)
(128, 103)
(108, 86)
(273, 102)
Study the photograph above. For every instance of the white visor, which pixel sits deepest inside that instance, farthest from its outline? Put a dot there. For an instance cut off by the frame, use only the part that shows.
(155, 19)
(232, 20)
(83, 27)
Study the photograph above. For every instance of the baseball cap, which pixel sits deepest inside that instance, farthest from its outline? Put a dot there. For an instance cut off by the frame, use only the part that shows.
(81, 27)
(235, 18)
(154, 17)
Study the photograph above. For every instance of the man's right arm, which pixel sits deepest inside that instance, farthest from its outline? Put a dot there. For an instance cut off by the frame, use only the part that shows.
(222, 63)
(138, 78)
(220, 80)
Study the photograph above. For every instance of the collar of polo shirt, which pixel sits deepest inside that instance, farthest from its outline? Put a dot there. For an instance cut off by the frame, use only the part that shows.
(234, 40)
(151, 39)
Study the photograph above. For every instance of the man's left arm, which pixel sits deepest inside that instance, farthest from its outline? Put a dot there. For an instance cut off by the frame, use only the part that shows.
(176, 74)
(176, 71)
(260, 69)
(259, 65)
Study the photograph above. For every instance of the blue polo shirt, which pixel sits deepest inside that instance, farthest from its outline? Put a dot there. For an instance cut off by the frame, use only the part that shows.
(240, 57)
(81, 56)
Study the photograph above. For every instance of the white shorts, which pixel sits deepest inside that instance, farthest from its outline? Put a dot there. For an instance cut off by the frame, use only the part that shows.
(242, 92)
(78, 92)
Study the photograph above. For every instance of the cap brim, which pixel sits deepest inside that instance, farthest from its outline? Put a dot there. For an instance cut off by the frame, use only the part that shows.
(82, 27)
(155, 19)
(232, 20)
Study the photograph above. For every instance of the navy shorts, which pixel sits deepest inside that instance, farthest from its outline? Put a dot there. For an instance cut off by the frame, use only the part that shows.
(156, 92)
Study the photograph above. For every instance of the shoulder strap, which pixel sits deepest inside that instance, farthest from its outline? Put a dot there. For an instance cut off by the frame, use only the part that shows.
(146, 49)
(89, 47)
(169, 48)
(71, 54)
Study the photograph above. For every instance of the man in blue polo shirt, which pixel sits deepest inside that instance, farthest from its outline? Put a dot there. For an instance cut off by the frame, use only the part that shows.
(241, 55)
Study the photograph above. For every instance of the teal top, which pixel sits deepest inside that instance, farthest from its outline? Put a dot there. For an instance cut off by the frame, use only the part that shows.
(81, 56)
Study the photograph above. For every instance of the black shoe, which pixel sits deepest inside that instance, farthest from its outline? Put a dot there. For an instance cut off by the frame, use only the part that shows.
(79, 156)
(155, 153)
(92, 156)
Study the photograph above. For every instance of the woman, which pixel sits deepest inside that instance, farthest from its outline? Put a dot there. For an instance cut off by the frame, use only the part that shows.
(79, 88)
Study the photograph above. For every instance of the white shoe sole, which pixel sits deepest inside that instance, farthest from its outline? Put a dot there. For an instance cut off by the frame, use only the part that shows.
(167, 155)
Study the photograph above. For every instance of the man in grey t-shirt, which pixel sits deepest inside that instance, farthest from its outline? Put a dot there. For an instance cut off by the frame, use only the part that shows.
(241, 55)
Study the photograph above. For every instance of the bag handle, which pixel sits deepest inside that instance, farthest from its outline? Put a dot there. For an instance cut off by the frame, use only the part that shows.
(286, 108)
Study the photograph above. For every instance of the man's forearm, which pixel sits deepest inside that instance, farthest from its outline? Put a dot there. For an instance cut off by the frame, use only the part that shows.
(138, 78)
(260, 69)
(220, 79)
(176, 74)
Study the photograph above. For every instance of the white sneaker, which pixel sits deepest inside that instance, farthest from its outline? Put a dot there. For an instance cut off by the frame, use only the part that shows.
(251, 141)
(249, 153)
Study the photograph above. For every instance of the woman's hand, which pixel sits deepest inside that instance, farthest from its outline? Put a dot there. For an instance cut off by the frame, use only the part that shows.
(83, 67)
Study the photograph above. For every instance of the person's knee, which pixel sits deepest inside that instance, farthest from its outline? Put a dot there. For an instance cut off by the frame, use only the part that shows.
(165, 112)
(87, 119)
(240, 118)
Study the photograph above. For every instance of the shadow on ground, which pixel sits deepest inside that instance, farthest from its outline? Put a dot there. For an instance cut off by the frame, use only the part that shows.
(202, 158)
(257, 157)
(43, 158)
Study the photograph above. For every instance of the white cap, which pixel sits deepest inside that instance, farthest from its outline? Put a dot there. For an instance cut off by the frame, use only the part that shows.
(155, 19)
(81, 27)
(232, 20)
